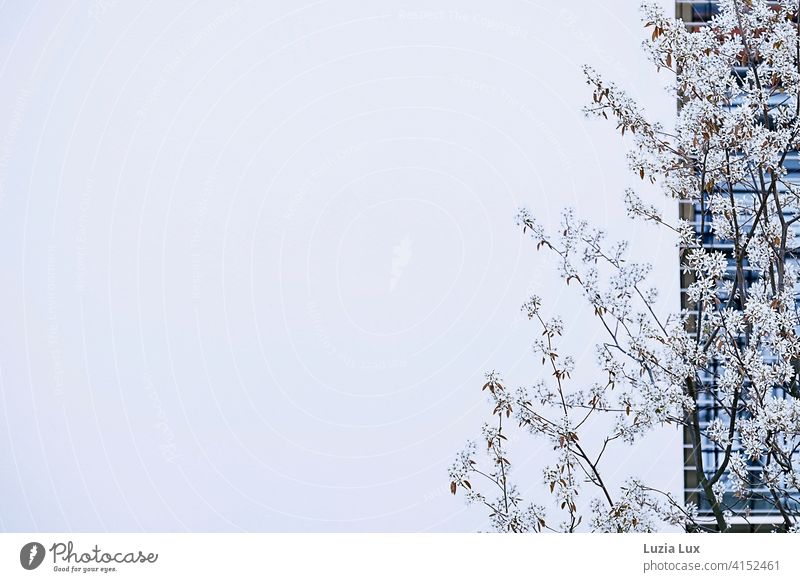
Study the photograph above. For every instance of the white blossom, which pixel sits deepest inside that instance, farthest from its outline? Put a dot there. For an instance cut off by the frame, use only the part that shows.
(729, 157)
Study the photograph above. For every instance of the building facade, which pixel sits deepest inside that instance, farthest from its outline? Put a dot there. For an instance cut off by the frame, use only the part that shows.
(752, 513)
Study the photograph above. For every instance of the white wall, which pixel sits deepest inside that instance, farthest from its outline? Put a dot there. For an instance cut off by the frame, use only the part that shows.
(257, 257)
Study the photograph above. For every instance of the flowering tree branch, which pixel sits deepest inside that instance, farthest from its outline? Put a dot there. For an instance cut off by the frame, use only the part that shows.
(732, 162)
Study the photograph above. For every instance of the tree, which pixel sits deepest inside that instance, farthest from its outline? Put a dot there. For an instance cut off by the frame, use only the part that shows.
(732, 160)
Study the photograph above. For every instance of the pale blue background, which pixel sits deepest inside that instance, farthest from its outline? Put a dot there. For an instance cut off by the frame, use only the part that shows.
(256, 256)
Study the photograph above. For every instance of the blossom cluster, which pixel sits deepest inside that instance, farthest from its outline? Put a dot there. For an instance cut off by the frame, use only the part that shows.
(731, 161)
